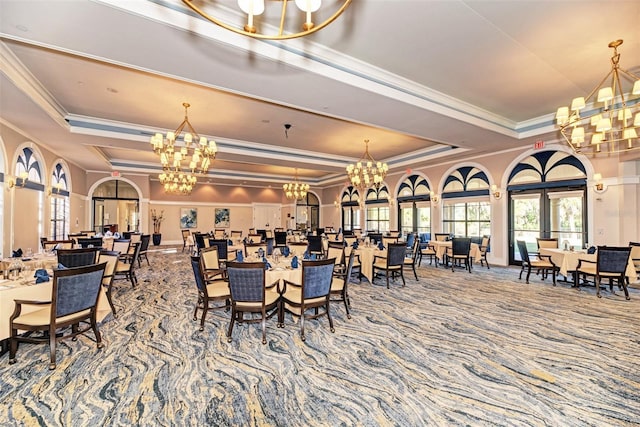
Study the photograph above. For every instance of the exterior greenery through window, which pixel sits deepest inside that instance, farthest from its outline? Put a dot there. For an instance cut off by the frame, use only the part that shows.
(59, 217)
(414, 205)
(350, 209)
(471, 219)
(378, 219)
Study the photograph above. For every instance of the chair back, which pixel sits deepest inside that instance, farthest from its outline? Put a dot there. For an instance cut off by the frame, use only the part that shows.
(315, 244)
(121, 245)
(268, 234)
(442, 237)
(198, 275)
(210, 258)
(218, 233)
(246, 281)
(349, 241)
(375, 237)
(77, 257)
(484, 245)
(316, 278)
(236, 234)
(522, 249)
(199, 238)
(135, 237)
(223, 248)
(336, 251)
(254, 237)
(94, 242)
(144, 243)
(75, 289)
(253, 248)
(185, 235)
(415, 250)
(613, 259)
(410, 238)
(49, 245)
(280, 238)
(111, 260)
(547, 242)
(395, 254)
(386, 240)
(635, 251)
(270, 244)
(298, 248)
(460, 246)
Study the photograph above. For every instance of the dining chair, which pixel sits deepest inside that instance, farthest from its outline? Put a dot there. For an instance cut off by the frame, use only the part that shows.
(218, 233)
(236, 234)
(311, 294)
(542, 262)
(122, 246)
(125, 268)
(144, 248)
(386, 240)
(93, 242)
(547, 242)
(49, 245)
(111, 260)
(335, 250)
(253, 249)
(185, 239)
(70, 258)
(250, 294)
(223, 248)
(254, 238)
(484, 248)
(411, 257)
(340, 285)
(442, 237)
(427, 250)
(74, 299)
(459, 252)
(280, 239)
(635, 256)
(315, 245)
(392, 264)
(611, 263)
(212, 292)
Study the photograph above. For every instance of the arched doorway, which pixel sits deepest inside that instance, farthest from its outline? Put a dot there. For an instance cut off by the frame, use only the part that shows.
(308, 213)
(115, 207)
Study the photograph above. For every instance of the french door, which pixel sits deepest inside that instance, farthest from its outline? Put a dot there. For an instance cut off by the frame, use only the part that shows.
(548, 212)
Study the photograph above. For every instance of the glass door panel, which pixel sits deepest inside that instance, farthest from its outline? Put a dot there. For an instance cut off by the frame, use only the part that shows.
(526, 222)
(565, 219)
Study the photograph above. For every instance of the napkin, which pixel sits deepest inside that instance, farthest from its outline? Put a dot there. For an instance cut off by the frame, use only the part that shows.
(380, 246)
(306, 255)
(41, 275)
(17, 253)
(230, 242)
(286, 251)
(266, 263)
(261, 252)
(239, 256)
(294, 262)
(61, 266)
(591, 250)
(355, 245)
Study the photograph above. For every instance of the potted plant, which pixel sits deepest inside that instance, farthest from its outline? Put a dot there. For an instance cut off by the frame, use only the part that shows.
(157, 221)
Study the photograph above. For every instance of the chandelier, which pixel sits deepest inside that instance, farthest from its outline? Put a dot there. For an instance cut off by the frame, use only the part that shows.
(256, 7)
(180, 162)
(610, 119)
(295, 190)
(367, 171)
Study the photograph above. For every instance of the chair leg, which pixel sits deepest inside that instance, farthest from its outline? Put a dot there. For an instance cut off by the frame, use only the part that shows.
(205, 307)
(598, 286)
(110, 300)
(327, 305)
(302, 337)
(528, 274)
(414, 272)
(52, 348)
(624, 287)
(264, 328)
(347, 303)
(233, 319)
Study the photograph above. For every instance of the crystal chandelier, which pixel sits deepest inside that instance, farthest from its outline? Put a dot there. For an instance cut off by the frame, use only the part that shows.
(295, 190)
(367, 171)
(608, 122)
(254, 8)
(180, 162)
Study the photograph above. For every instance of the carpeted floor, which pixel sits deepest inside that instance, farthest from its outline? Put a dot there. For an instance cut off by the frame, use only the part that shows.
(449, 349)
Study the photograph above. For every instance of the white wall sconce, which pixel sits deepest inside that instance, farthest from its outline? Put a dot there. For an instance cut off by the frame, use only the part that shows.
(495, 192)
(434, 197)
(598, 187)
(336, 204)
(54, 189)
(14, 183)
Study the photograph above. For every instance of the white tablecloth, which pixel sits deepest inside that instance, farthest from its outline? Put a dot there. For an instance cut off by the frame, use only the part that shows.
(367, 255)
(567, 261)
(441, 249)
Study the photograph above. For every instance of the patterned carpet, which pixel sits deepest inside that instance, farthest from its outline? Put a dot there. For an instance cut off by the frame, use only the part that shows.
(451, 349)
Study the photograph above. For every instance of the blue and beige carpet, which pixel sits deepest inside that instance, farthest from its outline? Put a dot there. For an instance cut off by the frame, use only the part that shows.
(450, 349)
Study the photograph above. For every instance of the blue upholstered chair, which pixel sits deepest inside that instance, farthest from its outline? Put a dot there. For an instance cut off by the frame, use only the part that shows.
(213, 291)
(250, 294)
(74, 299)
(312, 293)
(77, 257)
(340, 284)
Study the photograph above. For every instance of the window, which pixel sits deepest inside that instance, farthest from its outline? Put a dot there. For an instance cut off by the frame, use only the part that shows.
(415, 207)
(378, 219)
(350, 209)
(59, 217)
(470, 219)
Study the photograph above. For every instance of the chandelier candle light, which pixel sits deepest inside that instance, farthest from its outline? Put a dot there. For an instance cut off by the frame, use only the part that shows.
(295, 190)
(612, 118)
(180, 163)
(254, 8)
(367, 171)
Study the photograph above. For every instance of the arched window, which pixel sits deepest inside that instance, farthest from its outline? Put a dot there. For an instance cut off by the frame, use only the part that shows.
(547, 192)
(28, 164)
(414, 203)
(377, 202)
(28, 198)
(59, 203)
(308, 212)
(350, 202)
(466, 204)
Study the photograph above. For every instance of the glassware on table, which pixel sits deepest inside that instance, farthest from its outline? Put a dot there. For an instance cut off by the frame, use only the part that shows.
(29, 253)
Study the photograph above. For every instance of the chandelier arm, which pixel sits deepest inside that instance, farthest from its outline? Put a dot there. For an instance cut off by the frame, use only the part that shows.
(282, 16)
(629, 74)
(202, 13)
